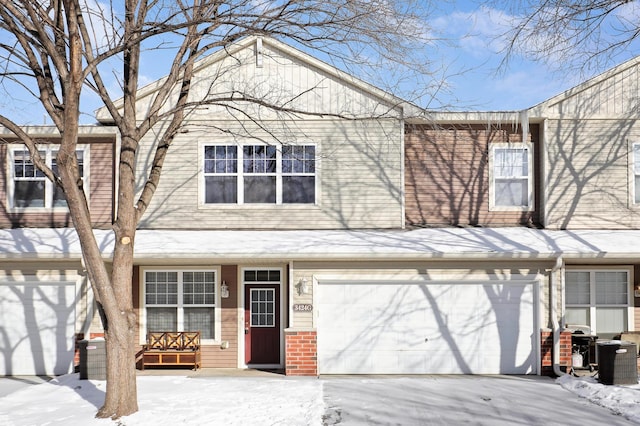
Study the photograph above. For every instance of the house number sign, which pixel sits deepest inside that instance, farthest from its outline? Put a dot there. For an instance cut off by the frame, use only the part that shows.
(302, 307)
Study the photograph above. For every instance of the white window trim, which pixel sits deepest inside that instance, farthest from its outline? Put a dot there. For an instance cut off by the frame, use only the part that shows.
(278, 204)
(632, 175)
(629, 306)
(49, 149)
(217, 329)
(530, 185)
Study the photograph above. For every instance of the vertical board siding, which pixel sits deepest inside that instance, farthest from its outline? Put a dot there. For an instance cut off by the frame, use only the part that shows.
(589, 174)
(447, 175)
(612, 95)
(359, 175)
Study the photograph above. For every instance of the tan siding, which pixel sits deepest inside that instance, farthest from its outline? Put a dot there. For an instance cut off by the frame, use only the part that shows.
(611, 96)
(588, 174)
(282, 81)
(447, 175)
(359, 174)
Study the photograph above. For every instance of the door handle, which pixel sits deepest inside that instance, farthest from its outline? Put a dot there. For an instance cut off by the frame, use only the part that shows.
(246, 331)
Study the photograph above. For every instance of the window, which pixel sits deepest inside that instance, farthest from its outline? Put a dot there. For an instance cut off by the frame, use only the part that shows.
(31, 189)
(259, 174)
(181, 301)
(599, 299)
(636, 173)
(511, 178)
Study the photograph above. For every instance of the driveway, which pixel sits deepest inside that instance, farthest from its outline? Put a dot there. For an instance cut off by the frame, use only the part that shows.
(457, 400)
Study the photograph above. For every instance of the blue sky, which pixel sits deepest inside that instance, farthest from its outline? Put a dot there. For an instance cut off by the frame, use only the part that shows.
(471, 58)
(487, 86)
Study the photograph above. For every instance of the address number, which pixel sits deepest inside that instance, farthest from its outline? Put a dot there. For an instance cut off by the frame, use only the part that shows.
(303, 307)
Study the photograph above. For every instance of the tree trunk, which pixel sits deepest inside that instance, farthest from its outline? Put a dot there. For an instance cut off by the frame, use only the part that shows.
(121, 398)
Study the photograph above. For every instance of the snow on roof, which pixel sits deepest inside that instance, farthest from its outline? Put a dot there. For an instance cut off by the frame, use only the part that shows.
(432, 243)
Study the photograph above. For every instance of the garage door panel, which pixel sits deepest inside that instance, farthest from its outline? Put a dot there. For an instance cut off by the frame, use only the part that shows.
(427, 328)
(37, 322)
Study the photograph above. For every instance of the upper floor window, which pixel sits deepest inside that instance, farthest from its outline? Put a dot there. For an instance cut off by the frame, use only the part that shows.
(511, 177)
(259, 174)
(29, 187)
(636, 173)
(599, 299)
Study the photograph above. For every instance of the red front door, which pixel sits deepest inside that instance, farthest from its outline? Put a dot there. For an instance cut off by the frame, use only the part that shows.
(262, 324)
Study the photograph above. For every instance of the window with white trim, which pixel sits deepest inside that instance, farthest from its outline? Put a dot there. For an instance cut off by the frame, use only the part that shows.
(636, 173)
(599, 299)
(29, 187)
(511, 177)
(181, 301)
(259, 174)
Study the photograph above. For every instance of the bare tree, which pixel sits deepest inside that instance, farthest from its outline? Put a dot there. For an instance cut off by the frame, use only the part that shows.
(58, 50)
(582, 35)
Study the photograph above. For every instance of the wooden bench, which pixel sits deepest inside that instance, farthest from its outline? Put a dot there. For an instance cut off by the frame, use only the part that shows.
(172, 348)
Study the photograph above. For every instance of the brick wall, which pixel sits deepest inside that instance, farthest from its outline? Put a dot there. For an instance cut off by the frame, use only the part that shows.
(301, 358)
(546, 347)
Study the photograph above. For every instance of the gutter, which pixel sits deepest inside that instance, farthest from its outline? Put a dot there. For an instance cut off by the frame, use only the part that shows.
(554, 315)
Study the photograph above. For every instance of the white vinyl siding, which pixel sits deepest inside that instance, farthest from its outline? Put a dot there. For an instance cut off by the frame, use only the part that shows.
(599, 299)
(511, 176)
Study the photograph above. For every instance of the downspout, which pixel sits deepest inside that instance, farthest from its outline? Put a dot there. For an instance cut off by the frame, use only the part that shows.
(554, 315)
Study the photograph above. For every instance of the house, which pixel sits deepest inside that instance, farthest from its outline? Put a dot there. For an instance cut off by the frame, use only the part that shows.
(358, 234)
(45, 300)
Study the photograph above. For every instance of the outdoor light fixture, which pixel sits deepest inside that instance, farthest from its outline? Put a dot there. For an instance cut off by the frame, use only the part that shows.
(302, 287)
(224, 290)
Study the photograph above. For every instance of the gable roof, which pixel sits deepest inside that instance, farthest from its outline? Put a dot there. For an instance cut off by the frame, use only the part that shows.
(594, 93)
(407, 108)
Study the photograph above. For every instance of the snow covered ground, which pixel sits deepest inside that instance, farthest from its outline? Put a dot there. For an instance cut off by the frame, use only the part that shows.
(171, 400)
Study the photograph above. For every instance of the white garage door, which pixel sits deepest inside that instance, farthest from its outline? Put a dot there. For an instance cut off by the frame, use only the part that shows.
(405, 328)
(37, 328)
